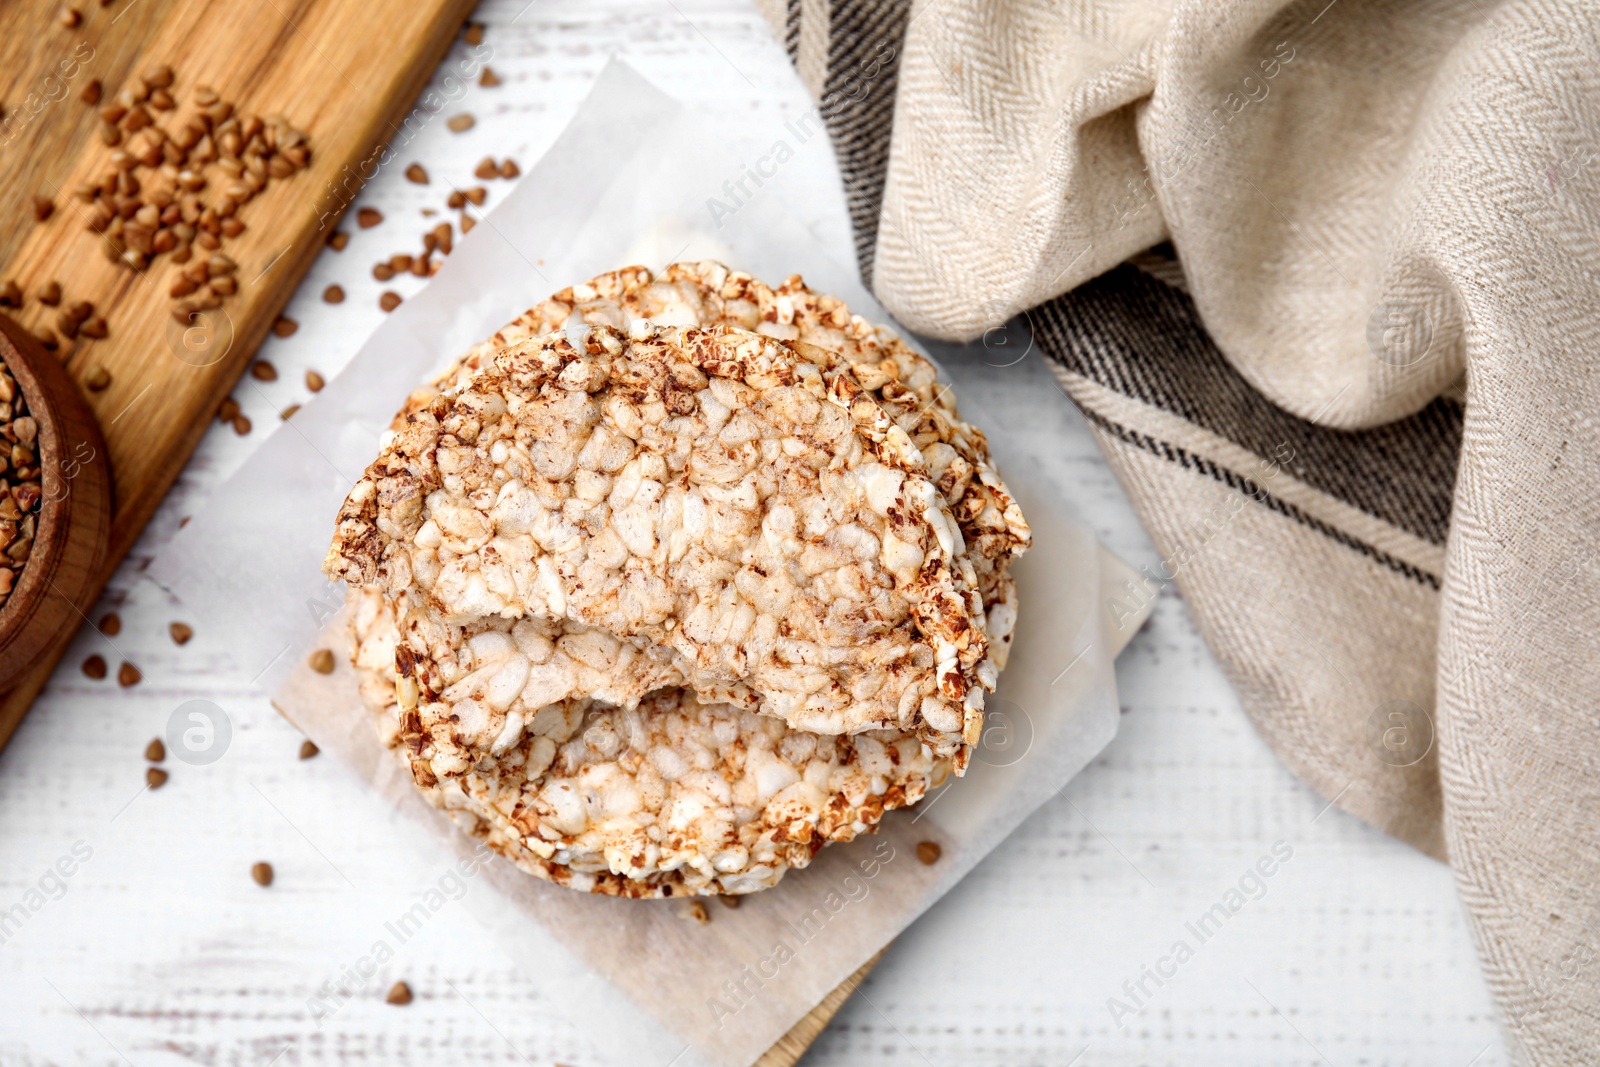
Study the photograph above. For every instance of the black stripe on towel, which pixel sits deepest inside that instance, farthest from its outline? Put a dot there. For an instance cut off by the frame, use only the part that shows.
(1140, 337)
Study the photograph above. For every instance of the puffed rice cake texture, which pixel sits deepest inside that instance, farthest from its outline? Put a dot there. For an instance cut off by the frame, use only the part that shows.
(827, 333)
(702, 490)
(832, 712)
(497, 669)
(671, 798)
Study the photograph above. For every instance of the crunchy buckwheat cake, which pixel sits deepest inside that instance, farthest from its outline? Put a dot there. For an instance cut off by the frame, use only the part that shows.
(676, 579)
(671, 797)
(705, 491)
(824, 329)
(826, 332)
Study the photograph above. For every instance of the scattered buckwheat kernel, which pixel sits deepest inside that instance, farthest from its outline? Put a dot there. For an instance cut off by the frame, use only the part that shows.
(399, 993)
(284, 326)
(155, 777)
(288, 413)
(416, 173)
(98, 379)
(95, 327)
(929, 852)
(50, 294)
(488, 79)
(474, 33)
(262, 371)
(70, 17)
(476, 194)
(111, 624)
(389, 300)
(262, 873)
(181, 632)
(43, 208)
(509, 169)
(487, 168)
(382, 271)
(314, 381)
(368, 217)
(92, 92)
(729, 901)
(308, 748)
(322, 661)
(155, 751)
(467, 223)
(461, 123)
(337, 240)
(128, 674)
(228, 410)
(10, 295)
(333, 294)
(455, 199)
(241, 424)
(95, 667)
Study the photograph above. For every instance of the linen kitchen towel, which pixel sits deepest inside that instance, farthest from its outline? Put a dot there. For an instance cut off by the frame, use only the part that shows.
(1325, 278)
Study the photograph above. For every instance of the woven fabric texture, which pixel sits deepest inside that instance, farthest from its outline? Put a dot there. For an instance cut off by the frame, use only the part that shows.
(1350, 379)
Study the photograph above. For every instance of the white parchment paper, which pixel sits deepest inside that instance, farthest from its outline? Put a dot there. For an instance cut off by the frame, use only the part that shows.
(630, 180)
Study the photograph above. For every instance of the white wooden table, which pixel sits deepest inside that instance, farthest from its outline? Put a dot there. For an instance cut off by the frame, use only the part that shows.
(159, 949)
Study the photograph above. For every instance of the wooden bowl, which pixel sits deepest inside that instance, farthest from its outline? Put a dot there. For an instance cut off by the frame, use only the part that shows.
(57, 586)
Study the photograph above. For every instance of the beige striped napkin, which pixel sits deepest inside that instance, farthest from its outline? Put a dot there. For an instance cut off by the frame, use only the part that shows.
(1361, 422)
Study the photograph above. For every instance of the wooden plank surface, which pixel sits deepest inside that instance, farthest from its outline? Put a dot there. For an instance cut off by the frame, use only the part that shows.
(344, 71)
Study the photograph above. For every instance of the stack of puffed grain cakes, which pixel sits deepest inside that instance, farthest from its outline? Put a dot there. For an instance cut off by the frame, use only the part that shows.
(678, 578)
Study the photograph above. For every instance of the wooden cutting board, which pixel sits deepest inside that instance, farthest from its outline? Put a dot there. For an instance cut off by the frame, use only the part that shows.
(347, 72)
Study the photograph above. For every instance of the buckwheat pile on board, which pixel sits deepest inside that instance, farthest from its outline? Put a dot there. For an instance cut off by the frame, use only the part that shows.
(676, 579)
